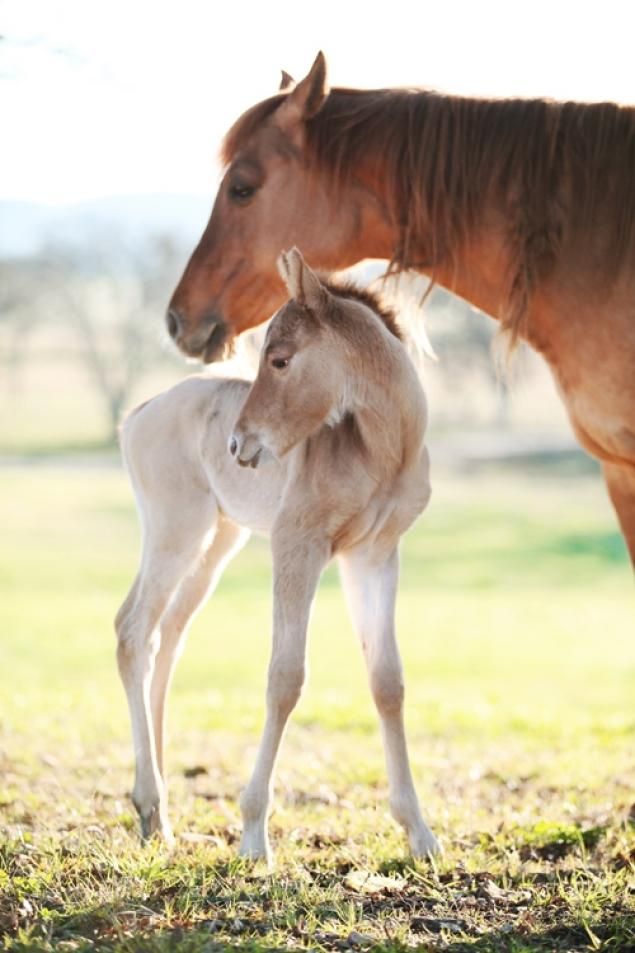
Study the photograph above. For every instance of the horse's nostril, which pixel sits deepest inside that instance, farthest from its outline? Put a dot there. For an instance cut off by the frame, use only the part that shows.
(173, 319)
(233, 446)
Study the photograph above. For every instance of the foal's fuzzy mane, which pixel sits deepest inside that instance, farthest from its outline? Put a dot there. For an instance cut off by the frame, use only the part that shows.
(351, 291)
(562, 174)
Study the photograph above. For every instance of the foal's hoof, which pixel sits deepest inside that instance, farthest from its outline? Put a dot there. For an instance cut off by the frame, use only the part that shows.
(255, 851)
(152, 825)
(424, 845)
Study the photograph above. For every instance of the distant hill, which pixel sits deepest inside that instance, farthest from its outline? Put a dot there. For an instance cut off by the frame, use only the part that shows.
(27, 226)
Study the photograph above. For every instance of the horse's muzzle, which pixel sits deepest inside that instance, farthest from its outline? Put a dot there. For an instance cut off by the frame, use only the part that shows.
(207, 341)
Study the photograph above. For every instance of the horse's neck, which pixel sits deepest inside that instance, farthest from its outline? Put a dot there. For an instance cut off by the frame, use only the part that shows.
(478, 268)
(498, 200)
(478, 271)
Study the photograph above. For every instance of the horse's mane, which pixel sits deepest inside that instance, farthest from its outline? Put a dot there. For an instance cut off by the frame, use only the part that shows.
(562, 174)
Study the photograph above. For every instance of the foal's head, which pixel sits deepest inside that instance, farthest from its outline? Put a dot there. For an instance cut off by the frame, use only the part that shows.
(308, 358)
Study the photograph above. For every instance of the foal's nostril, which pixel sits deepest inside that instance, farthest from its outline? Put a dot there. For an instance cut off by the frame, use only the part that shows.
(233, 446)
(174, 323)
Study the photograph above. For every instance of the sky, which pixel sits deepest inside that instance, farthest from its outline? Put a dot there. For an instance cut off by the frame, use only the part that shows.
(133, 96)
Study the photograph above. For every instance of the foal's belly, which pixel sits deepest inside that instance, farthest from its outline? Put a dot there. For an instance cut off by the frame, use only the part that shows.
(249, 497)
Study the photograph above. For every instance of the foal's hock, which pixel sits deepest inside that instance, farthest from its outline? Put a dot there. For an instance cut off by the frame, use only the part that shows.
(330, 443)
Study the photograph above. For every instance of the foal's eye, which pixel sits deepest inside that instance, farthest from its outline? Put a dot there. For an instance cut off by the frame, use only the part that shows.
(240, 193)
(280, 362)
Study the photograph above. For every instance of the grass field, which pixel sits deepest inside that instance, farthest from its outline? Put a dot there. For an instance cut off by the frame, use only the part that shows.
(516, 620)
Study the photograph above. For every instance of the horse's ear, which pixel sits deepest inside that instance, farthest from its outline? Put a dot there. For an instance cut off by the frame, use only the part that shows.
(302, 283)
(305, 99)
(286, 80)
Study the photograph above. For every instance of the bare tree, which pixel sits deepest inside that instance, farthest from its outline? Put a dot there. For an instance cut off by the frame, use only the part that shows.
(111, 297)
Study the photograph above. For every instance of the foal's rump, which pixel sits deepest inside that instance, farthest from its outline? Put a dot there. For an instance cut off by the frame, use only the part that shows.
(175, 451)
(160, 445)
(164, 435)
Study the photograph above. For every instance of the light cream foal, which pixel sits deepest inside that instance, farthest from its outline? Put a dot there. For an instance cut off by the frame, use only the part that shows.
(330, 439)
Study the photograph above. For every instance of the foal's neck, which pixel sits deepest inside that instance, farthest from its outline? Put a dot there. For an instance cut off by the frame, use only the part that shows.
(382, 392)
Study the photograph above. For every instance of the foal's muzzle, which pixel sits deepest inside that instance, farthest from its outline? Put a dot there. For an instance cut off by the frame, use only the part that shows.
(207, 341)
(246, 449)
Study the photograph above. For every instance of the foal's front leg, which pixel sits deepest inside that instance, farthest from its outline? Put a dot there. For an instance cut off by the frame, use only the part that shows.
(297, 566)
(371, 587)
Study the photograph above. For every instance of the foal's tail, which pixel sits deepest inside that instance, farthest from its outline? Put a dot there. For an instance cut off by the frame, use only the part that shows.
(123, 435)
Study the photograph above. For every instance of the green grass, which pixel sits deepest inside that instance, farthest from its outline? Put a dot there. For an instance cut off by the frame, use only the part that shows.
(515, 619)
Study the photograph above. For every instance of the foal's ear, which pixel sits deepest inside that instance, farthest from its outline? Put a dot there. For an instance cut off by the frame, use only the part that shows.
(286, 80)
(305, 99)
(302, 283)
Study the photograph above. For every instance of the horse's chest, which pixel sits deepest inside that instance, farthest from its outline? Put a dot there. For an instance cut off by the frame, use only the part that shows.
(598, 390)
(589, 344)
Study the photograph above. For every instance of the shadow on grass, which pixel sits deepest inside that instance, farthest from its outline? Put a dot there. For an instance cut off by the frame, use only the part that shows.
(611, 932)
(252, 913)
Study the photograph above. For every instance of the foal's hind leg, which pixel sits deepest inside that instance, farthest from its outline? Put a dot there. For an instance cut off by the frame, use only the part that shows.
(192, 593)
(371, 588)
(170, 552)
(620, 480)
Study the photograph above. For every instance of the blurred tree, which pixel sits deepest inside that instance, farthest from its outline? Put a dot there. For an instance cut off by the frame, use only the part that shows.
(470, 349)
(21, 281)
(113, 299)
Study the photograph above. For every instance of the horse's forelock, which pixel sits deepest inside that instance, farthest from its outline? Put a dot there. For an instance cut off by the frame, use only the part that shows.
(246, 125)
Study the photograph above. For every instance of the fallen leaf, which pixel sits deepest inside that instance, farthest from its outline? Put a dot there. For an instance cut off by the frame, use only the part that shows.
(365, 882)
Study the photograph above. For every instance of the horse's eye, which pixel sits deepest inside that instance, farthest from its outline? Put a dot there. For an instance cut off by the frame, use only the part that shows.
(240, 193)
(280, 362)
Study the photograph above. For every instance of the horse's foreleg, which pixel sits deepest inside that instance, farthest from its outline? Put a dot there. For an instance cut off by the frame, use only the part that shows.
(192, 593)
(371, 589)
(297, 570)
(620, 480)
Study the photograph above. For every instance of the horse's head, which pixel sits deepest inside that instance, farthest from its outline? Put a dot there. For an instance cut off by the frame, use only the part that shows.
(272, 196)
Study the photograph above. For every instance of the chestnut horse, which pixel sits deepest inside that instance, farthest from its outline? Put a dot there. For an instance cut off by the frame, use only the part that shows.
(526, 208)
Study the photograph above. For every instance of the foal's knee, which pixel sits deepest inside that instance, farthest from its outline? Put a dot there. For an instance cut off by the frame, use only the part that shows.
(285, 685)
(388, 689)
(135, 653)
